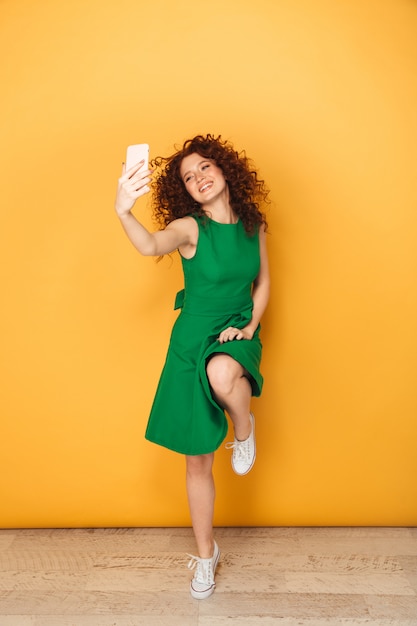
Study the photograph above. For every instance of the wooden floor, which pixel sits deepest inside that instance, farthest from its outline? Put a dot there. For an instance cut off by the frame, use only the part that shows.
(266, 576)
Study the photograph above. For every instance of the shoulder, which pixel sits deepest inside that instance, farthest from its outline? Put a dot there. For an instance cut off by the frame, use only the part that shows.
(262, 231)
(187, 227)
(263, 244)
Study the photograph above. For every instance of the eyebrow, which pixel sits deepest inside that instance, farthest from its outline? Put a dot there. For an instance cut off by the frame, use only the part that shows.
(199, 163)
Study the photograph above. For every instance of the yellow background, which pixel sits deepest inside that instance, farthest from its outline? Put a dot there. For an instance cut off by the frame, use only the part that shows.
(323, 96)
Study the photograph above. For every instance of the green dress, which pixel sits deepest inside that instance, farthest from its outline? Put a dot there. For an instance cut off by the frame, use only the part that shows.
(217, 293)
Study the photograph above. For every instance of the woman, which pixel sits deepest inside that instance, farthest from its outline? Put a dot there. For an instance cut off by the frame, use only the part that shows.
(208, 200)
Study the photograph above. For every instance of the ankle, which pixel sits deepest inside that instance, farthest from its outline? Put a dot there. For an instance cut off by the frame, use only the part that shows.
(206, 550)
(241, 434)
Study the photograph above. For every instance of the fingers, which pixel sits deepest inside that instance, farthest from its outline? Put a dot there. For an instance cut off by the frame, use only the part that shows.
(136, 184)
(133, 184)
(229, 334)
(134, 173)
(132, 170)
(134, 181)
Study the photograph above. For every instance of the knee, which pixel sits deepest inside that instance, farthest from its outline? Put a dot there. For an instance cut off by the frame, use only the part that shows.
(200, 465)
(221, 375)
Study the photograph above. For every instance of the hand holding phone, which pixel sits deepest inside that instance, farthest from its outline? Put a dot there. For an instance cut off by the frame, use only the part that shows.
(136, 153)
(135, 179)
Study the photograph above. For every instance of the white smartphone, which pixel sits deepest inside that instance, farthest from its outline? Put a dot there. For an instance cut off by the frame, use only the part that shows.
(136, 153)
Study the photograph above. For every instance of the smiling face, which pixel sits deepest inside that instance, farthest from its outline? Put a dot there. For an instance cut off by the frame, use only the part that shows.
(203, 179)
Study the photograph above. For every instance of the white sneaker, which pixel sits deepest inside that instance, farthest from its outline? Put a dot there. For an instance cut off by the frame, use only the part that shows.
(244, 452)
(202, 584)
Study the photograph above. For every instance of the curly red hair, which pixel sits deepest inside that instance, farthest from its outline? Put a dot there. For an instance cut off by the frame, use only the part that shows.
(247, 192)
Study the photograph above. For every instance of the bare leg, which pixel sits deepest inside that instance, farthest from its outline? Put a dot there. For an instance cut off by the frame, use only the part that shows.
(232, 390)
(201, 495)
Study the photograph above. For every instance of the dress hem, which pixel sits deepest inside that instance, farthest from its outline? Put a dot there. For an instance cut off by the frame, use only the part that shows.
(169, 447)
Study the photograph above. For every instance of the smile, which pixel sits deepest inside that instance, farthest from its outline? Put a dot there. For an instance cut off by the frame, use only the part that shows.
(205, 187)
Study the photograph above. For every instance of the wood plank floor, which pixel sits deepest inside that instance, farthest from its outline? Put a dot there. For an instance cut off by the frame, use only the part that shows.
(266, 577)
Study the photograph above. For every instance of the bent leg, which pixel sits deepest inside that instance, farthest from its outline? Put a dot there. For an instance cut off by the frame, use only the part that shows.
(201, 495)
(232, 390)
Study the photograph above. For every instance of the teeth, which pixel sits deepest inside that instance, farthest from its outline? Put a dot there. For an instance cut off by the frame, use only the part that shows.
(205, 186)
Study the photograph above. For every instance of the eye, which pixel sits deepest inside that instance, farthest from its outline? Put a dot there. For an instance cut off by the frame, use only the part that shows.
(187, 178)
(205, 166)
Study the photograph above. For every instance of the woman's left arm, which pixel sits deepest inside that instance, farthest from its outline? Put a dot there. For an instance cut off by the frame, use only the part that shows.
(260, 296)
(260, 293)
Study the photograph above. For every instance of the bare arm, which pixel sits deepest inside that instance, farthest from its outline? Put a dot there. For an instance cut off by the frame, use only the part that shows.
(260, 296)
(132, 185)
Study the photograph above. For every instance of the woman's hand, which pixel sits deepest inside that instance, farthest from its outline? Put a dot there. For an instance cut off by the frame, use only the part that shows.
(231, 333)
(132, 184)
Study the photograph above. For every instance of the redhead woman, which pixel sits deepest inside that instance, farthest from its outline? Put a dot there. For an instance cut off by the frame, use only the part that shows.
(209, 202)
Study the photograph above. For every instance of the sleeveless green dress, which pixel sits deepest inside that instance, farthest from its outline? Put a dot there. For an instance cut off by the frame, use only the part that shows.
(217, 294)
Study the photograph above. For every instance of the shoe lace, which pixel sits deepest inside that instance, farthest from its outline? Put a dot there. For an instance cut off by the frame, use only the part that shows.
(204, 571)
(241, 449)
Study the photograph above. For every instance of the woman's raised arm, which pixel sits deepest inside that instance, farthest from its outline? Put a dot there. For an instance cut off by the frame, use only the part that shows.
(132, 185)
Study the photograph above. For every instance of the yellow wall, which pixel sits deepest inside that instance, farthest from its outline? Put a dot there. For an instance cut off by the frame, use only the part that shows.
(323, 96)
